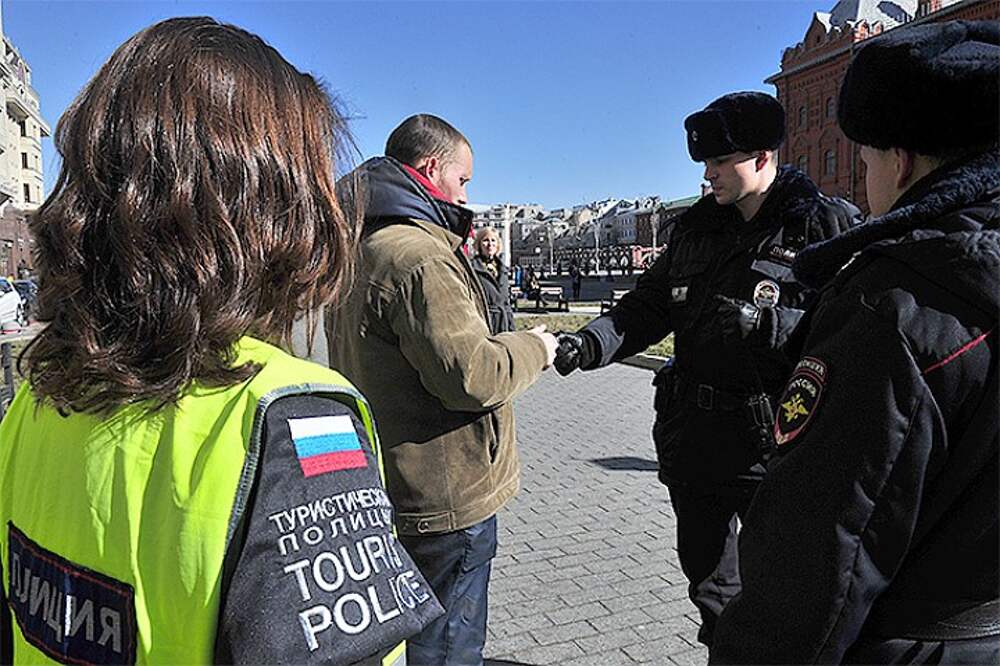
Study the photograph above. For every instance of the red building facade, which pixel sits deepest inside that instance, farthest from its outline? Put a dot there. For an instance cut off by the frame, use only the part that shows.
(811, 74)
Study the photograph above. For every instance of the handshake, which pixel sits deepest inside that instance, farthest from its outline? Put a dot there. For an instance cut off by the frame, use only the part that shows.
(569, 350)
(575, 350)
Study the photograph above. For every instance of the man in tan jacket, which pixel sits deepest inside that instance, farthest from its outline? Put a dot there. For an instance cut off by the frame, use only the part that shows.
(413, 336)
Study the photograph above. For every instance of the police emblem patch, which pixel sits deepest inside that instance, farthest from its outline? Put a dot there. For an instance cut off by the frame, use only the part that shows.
(800, 400)
(678, 294)
(766, 294)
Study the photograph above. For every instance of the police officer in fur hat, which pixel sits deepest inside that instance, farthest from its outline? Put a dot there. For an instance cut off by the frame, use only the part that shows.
(874, 538)
(724, 287)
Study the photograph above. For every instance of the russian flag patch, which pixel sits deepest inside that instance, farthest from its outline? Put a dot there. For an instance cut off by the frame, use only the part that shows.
(326, 444)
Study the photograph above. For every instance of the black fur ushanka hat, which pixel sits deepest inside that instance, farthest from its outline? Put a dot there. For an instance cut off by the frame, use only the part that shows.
(737, 122)
(927, 88)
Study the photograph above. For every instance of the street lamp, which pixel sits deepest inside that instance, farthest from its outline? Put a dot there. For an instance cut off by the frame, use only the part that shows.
(654, 223)
(597, 246)
(548, 232)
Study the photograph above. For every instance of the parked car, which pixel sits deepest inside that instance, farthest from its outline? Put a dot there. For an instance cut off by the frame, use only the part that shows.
(28, 290)
(11, 305)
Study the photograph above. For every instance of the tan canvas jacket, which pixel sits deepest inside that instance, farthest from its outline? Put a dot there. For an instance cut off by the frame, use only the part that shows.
(413, 336)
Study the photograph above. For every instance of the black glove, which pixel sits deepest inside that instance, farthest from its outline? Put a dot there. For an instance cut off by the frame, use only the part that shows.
(834, 217)
(735, 317)
(575, 350)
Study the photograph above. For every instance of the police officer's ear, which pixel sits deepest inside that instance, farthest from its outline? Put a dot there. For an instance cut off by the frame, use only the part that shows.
(762, 158)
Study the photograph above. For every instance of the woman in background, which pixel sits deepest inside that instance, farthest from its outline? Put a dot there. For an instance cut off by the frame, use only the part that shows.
(495, 278)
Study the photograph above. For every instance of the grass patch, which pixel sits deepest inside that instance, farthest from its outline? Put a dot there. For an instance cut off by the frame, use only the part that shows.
(573, 322)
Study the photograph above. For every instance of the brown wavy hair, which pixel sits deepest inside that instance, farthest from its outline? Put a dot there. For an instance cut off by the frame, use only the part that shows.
(195, 205)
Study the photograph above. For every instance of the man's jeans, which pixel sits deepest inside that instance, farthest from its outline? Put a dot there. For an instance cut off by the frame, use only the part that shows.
(457, 566)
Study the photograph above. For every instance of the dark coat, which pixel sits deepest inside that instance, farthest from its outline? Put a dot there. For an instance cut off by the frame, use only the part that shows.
(714, 251)
(878, 518)
(497, 290)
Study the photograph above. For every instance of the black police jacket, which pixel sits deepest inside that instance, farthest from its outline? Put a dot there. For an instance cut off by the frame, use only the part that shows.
(714, 251)
(878, 518)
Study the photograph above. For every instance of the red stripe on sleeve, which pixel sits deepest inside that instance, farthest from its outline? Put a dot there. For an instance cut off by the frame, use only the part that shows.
(951, 357)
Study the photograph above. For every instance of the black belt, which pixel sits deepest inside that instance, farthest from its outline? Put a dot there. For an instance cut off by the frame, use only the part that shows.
(914, 621)
(710, 398)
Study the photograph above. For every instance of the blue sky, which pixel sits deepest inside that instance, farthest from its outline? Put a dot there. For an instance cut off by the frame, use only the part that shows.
(564, 102)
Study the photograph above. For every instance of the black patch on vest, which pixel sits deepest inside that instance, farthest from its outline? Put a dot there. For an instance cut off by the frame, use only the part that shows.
(71, 613)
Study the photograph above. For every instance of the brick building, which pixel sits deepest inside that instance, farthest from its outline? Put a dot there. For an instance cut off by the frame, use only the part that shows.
(812, 71)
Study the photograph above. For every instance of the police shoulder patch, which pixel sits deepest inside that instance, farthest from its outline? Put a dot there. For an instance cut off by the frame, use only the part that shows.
(801, 399)
(72, 614)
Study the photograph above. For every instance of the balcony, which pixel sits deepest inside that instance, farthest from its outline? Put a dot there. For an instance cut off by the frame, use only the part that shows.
(8, 190)
(22, 103)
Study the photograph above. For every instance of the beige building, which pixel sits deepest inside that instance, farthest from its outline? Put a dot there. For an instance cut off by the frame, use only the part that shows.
(21, 131)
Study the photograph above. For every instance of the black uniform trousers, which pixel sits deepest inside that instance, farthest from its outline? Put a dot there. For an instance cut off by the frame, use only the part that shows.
(706, 545)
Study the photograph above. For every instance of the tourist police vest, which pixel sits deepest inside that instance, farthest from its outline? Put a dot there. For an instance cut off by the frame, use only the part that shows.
(137, 512)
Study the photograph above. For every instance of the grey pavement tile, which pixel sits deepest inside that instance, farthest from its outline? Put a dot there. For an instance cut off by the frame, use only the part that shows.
(611, 658)
(549, 654)
(621, 619)
(603, 577)
(535, 555)
(599, 533)
(539, 604)
(697, 657)
(585, 612)
(555, 587)
(588, 546)
(593, 594)
(677, 607)
(509, 644)
(657, 651)
(520, 625)
(535, 567)
(562, 573)
(618, 604)
(608, 640)
(505, 581)
(498, 614)
(634, 586)
(581, 559)
(561, 633)
(673, 590)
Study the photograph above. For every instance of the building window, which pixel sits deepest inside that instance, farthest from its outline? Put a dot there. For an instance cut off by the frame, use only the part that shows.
(27, 193)
(803, 163)
(831, 108)
(24, 160)
(802, 117)
(24, 127)
(829, 163)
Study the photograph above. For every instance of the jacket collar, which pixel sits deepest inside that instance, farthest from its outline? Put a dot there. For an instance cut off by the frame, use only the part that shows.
(394, 196)
(793, 197)
(943, 191)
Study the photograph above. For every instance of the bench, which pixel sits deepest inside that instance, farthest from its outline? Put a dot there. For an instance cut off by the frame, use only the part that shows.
(553, 295)
(612, 301)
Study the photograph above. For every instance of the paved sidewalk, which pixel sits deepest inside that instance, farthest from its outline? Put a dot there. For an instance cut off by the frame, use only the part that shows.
(586, 571)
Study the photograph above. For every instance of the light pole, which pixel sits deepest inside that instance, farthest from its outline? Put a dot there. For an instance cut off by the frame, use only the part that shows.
(654, 224)
(506, 235)
(597, 246)
(552, 268)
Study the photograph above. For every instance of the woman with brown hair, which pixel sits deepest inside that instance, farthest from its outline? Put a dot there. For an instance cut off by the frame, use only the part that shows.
(173, 487)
